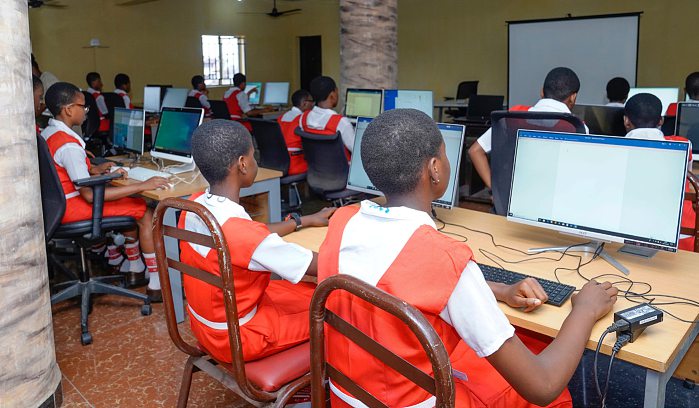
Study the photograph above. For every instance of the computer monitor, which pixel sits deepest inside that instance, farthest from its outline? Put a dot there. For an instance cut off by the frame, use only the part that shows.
(666, 95)
(601, 119)
(453, 135)
(254, 97)
(363, 102)
(127, 129)
(399, 98)
(687, 125)
(175, 98)
(151, 99)
(173, 140)
(276, 93)
(603, 188)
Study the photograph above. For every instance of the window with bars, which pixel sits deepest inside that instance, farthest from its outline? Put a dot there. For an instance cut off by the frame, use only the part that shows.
(223, 57)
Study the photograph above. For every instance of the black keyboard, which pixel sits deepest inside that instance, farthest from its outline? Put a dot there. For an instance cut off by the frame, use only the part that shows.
(558, 293)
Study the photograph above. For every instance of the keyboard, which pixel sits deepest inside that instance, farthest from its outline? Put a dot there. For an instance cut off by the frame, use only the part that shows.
(143, 174)
(558, 293)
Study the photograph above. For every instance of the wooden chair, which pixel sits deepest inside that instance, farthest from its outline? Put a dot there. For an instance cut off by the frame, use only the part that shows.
(693, 197)
(268, 382)
(441, 386)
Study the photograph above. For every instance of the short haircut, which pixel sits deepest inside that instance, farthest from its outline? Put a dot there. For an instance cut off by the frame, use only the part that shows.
(59, 95)
(618, 89)
(299, 96)
(36, 82)
(121, 80)
(216, 145)
(197, 80)
(395, 147)
(239, 79)
(560, 83)
(92, 77)
(691, 85)
(644, 110)
(322, 87)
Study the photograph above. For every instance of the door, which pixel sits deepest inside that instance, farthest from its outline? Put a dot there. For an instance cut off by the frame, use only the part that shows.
(311, 59)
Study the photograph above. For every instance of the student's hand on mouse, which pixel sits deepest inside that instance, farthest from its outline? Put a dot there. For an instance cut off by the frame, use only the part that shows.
(319, 219)
(597, 298)
(527, 294)
(155, 183)
(123, 172)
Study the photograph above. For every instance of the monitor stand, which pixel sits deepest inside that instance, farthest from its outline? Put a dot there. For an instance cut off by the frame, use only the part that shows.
(638, 251)
(182, 168)
(589, 248)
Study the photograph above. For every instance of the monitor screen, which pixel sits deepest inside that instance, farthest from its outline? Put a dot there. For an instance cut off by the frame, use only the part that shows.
(253, 97)
(601, 187)
(276, 93)
(175, 98)
(363, 102)
(601, 119)
(666, 95)
(174, 136)
(687, 124)
(127, 129)
(399, 99)
(151, 99)
(453, 135)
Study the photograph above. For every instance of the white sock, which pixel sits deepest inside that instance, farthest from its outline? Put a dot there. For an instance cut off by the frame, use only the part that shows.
(133, 253)
(113, 255)
(125, 267)
(152, 265)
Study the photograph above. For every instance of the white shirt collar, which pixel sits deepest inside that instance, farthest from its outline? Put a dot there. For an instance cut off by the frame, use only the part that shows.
(225, 206)
(296, 110)
(92, 90)
(60, 126)
(324, 111)
(120, 91)
(550, 105)
(646, 134)
(372, 209)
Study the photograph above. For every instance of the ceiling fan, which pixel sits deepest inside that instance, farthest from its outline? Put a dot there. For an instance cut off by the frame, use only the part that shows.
(134, 2)
(275, 12)
(45, 3)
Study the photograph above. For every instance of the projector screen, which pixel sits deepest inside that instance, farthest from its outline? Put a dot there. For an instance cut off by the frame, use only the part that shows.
(597, 48)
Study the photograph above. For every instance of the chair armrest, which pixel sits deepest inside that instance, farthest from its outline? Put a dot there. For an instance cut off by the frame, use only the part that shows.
(95, 180)
(98, 185)
(693, 180)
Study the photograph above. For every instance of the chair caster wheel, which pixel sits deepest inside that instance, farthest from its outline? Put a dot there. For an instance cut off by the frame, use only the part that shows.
(146, 310)
(86, 338)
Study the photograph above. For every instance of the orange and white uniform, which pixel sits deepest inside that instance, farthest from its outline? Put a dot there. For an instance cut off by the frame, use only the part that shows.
(238, 105)
(273, 314)
(400, 251)
(102, 108)
(288, 123)
(328, 122)
(70, 159)
(203, 100)
(125, 96)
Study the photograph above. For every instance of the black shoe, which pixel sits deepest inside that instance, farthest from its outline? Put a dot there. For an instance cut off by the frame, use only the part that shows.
(136, 279)
(155, 295)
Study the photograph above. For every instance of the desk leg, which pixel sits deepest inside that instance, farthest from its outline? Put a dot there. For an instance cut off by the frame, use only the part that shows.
(274, 197)
(173, 252)
(441, 110)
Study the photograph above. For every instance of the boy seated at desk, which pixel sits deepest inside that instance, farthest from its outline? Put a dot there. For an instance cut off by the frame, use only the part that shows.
(238, 101)
(122, 87)
(397, 248)
(558, 94)
(273, 314)
(322, 119)
(642, 119)
(691, 89)
(94, 88)
(200, 92)
(288, 122)
(67, 105)
(617, 91)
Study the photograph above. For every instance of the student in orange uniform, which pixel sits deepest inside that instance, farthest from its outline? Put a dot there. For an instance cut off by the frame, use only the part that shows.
(122, 87)
(558, 94)
(273, 314)
(38, 93)
(397, 248)
(94, 83)
(322, 119)
(200, 92)
(617, 91)
(642, 118)
(691, 89)
(302, 101)
(238, 101)
(67, 105)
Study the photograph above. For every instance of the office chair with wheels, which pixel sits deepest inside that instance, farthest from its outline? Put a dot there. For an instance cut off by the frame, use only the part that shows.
(96, 142)
(481, 106)
(504, 138)
(219, 109)
(690, 228)
(274, 155)
(267, 382)
(82, 234)
(354, 290)
(463, 91)
(113, 100)
(192, 102)
(327, 166)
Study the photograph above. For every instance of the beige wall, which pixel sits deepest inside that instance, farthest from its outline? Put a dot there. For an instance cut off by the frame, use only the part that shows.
(440, 42)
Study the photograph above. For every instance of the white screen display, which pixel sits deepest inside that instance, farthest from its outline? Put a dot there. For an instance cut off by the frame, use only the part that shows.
(666, 95)
(127, 130)
(363, 102)
(402, 99)
(276, 93)
(151, 99)
(619, 189)
(175, 97)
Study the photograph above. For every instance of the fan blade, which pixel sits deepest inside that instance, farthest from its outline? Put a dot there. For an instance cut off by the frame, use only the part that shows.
(59, 6)
(282, 13)
(135, 2)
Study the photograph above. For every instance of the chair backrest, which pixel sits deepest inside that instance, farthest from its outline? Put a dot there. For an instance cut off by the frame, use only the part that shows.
(113, 100)
(668, 127)
(481, 106)
(505, 125)
(219, 109)
(466, 89)
(271, 144)
(192, 102)
(327, 163)
(53, 199)
(441, 385)
(216, 241)
(92, 121)
(693, 198)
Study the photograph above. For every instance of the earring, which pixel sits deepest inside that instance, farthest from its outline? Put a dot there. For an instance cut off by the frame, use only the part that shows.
(435, 181)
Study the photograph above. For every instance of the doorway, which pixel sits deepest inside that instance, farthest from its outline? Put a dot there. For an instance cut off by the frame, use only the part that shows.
(311, 59)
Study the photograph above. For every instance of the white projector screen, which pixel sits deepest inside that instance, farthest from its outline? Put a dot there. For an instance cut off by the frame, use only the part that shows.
(597, 48)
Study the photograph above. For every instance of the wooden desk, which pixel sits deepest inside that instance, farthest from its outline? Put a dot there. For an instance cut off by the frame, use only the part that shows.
(454, 103)
(659, 349)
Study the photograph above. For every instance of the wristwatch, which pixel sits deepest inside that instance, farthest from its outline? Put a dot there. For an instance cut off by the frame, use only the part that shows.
(297, 219)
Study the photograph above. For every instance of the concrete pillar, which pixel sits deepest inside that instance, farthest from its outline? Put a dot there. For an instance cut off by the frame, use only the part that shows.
(29, 375)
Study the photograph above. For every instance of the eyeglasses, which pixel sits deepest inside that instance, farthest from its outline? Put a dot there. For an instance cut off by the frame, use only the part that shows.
(85, 107)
